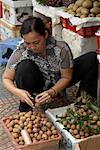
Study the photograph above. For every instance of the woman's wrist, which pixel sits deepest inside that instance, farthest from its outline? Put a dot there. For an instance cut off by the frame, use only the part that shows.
(52, 92)
(55, 92)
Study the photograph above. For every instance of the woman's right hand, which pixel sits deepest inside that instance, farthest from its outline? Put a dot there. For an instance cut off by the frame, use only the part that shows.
(24, 96)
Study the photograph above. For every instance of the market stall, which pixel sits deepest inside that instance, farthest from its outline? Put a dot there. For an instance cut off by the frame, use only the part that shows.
(77, 126)
(65, 21)
(79, 123)
(31, 130)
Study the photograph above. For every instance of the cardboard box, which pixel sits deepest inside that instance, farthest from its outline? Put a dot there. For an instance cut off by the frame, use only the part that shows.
(78, 44)
(15, 12)
(90, 143)
(51, 144)
(8, 30)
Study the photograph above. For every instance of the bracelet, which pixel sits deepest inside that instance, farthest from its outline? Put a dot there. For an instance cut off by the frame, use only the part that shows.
(55, 92)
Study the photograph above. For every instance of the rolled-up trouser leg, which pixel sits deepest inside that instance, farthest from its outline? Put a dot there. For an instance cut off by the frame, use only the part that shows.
(28, 77)
(85, 70)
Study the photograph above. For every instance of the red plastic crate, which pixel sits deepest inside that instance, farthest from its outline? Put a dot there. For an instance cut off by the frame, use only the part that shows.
(84, 31)
(98, 42)
(66, 24)
(0, 9)
(87, 31)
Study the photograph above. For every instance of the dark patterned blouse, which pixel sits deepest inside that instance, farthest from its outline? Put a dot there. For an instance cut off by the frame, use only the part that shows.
(58, 56)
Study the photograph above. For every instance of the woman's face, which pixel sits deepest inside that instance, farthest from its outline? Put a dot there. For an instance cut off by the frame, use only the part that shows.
(35, 42)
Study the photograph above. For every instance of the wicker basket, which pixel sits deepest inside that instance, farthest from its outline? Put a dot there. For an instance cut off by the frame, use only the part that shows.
(51, 144)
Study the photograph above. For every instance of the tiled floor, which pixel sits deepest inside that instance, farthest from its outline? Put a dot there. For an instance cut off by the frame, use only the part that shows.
(9, 105)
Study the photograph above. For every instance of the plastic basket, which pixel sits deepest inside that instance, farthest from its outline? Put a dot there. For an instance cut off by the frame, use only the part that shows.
(0, 9)
(89, 143)
(98, 41)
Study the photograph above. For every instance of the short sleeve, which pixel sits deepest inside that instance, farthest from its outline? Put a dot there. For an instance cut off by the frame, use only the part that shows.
(14, 58)
(66, 57)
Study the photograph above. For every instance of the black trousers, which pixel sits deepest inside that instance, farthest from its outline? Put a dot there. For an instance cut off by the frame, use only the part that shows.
(28, 77)
(85, 70)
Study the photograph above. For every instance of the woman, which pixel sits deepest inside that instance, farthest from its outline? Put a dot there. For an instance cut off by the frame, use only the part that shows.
(44, 66)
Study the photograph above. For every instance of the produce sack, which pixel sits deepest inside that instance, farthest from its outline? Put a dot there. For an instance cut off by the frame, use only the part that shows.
(55, 3)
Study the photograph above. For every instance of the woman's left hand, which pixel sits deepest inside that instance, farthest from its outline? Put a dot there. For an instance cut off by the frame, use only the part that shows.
(43, 97)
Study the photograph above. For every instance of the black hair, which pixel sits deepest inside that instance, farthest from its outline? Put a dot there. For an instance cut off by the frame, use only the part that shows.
(33, 24)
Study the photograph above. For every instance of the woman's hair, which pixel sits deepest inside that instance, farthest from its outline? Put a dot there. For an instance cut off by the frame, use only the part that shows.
(33, 24)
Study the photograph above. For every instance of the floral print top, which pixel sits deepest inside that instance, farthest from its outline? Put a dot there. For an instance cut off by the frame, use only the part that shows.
(58, 55)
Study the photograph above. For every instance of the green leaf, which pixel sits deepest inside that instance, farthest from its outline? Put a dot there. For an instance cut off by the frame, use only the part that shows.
(80, 123)
(95, 108)
(85, 118)
(42, 1)
(98, 130)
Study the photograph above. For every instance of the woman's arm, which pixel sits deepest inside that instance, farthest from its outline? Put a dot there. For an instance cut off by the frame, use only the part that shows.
(62, 83)
(8, 82)
(66, 76)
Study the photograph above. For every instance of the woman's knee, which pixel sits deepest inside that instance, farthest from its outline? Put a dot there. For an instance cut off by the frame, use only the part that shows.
(25, 65)
(29, 74)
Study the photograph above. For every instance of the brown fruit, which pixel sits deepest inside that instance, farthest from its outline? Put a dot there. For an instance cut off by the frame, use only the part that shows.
(72, 126)
(75, 131)
(77, 136)
(65, 123)
(79, 11)
(87, 4)
(84, 11)
(98, 123)
(96, 4)
(95, 118)
(95, 10)
(71, 6)
(44, 136)
(75, 7)
(79, 2)
(98, 15)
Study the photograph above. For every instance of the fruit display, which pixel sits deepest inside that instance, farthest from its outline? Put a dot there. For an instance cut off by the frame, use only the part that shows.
(35, 123)
(84, 8)
(82, 121)
(55, 3)
(42, 2)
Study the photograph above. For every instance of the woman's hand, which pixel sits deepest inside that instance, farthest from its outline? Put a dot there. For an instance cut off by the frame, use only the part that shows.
(43, 97)
(24, 96)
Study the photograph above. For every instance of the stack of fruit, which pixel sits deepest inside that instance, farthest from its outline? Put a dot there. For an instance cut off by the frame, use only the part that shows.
(84, 8)
(84, 121)
(35, 123)
(55, 3)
